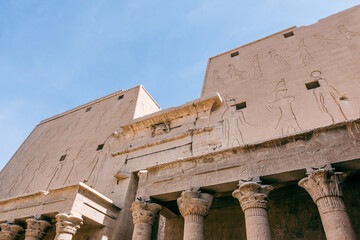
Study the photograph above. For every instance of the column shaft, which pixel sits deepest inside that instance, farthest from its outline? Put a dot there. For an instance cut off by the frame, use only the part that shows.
(194, 227)
(257, 224)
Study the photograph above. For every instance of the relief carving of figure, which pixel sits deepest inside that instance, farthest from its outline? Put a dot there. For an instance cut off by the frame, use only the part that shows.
(56, 173)
(347, 34)
(287, 122)
(304, 54)
(98, 162)
(233, 73)
(327, 43)
(255, 65)
(234, 124)
(216, 78)
(160, 128)
(328, 98)
(276, 58)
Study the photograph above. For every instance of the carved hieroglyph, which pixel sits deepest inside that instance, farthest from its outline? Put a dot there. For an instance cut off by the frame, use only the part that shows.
(282, 105)
(66, 226)
(36, 229)
(253, 201)
(324, 187)
(10, 231)
(194, 206)
(144, 215)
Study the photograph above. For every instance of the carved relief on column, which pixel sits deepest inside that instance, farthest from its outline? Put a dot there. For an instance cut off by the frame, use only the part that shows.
(324, 187)
(253, 201)
(10, 231)
(36, 229)
(66, 226)
(194, 206)
(144, 214)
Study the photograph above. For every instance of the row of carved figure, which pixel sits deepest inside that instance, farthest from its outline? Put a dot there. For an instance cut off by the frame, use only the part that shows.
(323, 185)
(328, 99)
(36, 229)
(326, 42)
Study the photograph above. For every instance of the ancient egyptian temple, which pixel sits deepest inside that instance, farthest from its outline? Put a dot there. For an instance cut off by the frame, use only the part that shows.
(270, 150)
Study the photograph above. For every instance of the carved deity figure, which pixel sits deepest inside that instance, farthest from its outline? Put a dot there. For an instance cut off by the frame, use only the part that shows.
(255, 65)
(234, 123)
(216, 78)
(233, 73)
(327, 43)
(304, 54)
(328, 98)
(276, 58)
(287, 122)
(347, 34)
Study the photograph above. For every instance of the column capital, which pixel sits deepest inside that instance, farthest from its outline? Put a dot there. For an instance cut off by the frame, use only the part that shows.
(322, 183)
(10, 231)
(194, 202)
(144, 211)
(36, 228)
(252, 195)
(66, 223)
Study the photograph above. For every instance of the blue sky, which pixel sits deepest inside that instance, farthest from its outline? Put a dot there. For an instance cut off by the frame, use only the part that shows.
(58, 54)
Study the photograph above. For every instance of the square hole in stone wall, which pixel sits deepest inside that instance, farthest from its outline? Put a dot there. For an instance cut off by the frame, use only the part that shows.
(88, 109)
(240, 106)
(100, 147)
(289, 34)
(120, 97)
(62, 158)
(312, 85)
(234, 54)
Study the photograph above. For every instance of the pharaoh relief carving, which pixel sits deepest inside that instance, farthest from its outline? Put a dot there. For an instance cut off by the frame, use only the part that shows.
(56, 173)
(20, 177)
(234, 124)
(328, 98)
(160, 128)
(282, 106)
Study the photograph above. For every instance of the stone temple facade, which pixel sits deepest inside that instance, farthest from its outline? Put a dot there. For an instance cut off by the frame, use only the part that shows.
(271, 150)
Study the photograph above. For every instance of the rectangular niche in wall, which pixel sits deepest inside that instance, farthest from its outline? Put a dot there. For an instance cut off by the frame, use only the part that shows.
(312, 85)
(240, 106)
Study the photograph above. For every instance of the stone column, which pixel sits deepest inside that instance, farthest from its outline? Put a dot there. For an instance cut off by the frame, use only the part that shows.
(66, 226)
(194, 206)
(144, 214)
(324, 187)
(253, 201)
(10, 231)
(36, 229)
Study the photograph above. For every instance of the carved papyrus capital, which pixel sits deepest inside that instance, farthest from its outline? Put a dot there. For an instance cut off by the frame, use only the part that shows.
(66, 223)
(36, 228)
(10, 231)
(323, 183)
(144, 212)
(194, 202)
(252, 195)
